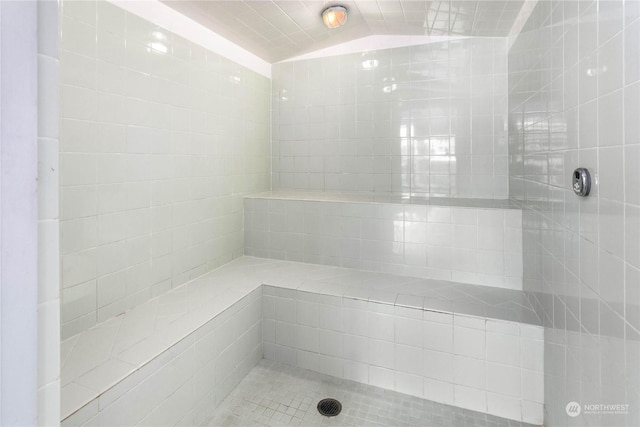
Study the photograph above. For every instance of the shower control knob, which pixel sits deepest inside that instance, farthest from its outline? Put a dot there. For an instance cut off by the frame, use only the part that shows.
(581, 182)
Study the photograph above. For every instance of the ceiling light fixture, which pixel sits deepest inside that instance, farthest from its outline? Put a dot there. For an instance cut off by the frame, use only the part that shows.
(334, 16)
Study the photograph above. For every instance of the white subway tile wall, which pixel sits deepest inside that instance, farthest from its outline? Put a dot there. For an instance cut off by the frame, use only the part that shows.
(421, 120)
(461, 244)
(159, 141)
(574, 100)
(491, 366)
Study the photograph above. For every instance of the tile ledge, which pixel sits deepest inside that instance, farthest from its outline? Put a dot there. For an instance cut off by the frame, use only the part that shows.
(391, 198)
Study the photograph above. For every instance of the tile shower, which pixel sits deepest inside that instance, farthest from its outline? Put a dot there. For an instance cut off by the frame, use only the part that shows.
(211, 217)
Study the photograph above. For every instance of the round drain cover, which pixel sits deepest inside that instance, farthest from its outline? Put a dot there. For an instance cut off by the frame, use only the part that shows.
(329, 407)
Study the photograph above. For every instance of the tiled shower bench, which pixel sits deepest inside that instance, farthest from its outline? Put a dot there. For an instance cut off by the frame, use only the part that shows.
(172, 360)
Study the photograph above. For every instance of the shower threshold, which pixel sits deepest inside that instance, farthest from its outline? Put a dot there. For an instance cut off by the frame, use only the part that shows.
(277, 394)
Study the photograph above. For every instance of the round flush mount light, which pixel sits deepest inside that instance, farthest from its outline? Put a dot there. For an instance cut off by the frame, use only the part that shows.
(334, 16)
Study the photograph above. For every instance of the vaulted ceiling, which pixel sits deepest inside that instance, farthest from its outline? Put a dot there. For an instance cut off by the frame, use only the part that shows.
(279, 29)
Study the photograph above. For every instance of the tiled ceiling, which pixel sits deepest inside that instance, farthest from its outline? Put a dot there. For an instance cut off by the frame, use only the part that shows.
(279, 29)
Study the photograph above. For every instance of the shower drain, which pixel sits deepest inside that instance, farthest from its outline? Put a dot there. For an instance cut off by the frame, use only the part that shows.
(329, 407)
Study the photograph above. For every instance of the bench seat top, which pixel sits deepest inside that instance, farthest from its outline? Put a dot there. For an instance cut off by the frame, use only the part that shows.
(99, 358)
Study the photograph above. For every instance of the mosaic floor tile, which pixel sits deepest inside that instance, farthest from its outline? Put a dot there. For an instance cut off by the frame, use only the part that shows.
(275, 394)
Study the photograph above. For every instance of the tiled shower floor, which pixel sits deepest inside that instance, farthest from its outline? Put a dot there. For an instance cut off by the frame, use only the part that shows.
(275, 394)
